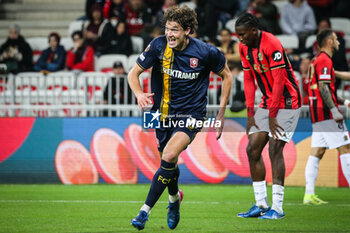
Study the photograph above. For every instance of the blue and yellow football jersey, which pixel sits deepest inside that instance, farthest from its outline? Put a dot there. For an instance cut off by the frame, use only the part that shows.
(180, 79)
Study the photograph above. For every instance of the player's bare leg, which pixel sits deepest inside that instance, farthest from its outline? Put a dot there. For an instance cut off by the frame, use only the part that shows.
(311, 172)
(344, 152)
(277, 161)
(257, 142)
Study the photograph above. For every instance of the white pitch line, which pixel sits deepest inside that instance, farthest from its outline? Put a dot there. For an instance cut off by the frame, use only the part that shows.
(137, 202)
(101, 201)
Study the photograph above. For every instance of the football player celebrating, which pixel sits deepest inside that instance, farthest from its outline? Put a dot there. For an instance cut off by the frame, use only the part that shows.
(180, 80)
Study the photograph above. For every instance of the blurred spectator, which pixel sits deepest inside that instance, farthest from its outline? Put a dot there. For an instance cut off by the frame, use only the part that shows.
(155, 5)
(114, 10)
(341, 9)
(238, 101)
(137, 16)
(81, 56)
(339, 57)
(114, 95)
(93, 27)
(303, 70)
(242, 6)
(229, 47)
(321, 8)
(116, 40)
(267, 14)
(207, 17)
(53, 58)
(16, 52)
(297, 18)
(213, 41)
(160, 13)
(149, 33)
(90, 3)
(226, 9)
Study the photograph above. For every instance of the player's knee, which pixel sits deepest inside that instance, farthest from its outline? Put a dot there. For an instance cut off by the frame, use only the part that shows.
(169, 156)
(253, 153)
(345, 149)
(275, 151)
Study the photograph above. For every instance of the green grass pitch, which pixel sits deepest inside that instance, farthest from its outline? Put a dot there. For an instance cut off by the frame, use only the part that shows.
(206, 208)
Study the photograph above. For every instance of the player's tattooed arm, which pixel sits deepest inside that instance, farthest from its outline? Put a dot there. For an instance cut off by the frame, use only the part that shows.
(327, 99)
(326, 95)
(340, 100)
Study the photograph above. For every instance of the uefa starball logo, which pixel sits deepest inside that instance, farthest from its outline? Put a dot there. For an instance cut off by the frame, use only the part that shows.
(152, 120)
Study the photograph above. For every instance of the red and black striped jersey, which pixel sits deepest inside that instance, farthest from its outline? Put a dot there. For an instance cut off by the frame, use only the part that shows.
(321, 70)
(261, 61)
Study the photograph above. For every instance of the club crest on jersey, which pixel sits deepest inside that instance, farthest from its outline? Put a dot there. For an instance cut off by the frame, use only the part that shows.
(193, 62)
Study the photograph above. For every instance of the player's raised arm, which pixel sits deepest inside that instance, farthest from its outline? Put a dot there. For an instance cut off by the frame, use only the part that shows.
(225, 93)
(143, 99)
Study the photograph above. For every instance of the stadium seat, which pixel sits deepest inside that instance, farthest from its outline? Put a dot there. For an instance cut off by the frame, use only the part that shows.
(289, 41)
(310, 41)
(190, 4)
(93, 83)
(63, 80)
(137, 44)
(341, 24)
(24, 80)
(106, 61)
(347, 41)
(38, 44)
(27, 86)
(75, 26)
(2, 41)
(231, 24)
(131, 61)
(279, 4)
(67, 43)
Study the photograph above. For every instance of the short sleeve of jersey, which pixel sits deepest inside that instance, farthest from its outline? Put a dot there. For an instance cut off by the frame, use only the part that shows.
(148, 57)
(216, 59)
(323, 70)
(245, 63)
(274, 51)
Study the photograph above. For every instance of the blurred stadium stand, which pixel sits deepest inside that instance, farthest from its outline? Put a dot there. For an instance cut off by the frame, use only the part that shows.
(70, 94)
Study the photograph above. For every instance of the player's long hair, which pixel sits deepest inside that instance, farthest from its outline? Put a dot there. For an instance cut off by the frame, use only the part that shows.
(184, 16)
(249, 20)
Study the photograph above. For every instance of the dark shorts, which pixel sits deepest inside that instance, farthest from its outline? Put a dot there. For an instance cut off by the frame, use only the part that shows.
(164, 134)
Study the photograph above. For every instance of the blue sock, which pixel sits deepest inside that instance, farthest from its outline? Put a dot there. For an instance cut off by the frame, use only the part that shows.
(173, 187)
(165, 175)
